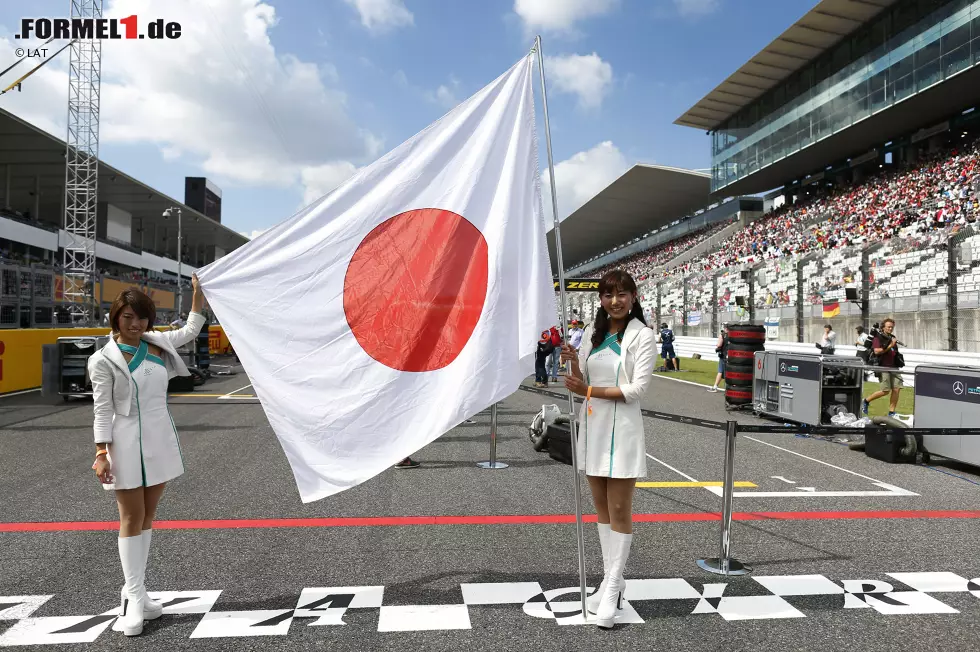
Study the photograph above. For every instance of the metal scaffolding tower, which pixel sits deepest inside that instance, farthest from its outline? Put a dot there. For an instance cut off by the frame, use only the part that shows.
(82, 168)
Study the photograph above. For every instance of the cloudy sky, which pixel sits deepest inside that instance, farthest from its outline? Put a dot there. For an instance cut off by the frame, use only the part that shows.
(279, 101)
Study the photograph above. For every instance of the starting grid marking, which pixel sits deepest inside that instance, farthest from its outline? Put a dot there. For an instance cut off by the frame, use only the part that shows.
(884, 489)
(887, 490)
(327, 606)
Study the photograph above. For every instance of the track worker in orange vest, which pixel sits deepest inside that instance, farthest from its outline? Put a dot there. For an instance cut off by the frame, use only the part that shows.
(137, 449)
(612, 370)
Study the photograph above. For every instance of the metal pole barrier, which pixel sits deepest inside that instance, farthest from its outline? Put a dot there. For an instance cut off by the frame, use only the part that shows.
(493, 463)
(579, 527)
(724, 564)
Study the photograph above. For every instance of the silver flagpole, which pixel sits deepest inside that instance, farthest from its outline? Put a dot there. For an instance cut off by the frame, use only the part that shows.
(579, 529)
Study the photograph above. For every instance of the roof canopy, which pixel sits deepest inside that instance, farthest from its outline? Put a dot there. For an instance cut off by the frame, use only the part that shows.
(809, 37)
(643, 199)
(36, 157)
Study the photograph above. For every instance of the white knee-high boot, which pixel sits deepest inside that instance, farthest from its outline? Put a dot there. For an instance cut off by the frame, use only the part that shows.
(612, 598)
(151, 608)
(592, 602)
(130, 621)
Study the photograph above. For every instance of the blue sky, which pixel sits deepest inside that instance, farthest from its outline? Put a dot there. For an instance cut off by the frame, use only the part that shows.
(278, 101)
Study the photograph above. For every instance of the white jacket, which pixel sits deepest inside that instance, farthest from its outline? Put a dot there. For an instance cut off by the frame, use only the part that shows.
(112, 384)
(638, 351)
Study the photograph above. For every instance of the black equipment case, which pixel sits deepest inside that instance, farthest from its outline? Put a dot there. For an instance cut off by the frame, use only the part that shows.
(560, 443)
(887, 447)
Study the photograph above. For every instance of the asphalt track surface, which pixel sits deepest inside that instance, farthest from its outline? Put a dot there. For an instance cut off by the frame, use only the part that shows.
(226, 539)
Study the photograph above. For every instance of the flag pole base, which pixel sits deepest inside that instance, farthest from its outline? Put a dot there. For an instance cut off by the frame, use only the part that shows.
(492, 465)
(714, 565)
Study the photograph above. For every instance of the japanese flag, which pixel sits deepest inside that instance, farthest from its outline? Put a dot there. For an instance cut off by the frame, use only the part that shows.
(402, 303)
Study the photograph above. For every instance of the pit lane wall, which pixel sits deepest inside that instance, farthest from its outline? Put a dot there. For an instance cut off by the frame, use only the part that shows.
(20, 352)
(685, 347)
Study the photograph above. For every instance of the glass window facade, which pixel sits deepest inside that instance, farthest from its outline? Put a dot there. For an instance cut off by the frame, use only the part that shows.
(908, 48)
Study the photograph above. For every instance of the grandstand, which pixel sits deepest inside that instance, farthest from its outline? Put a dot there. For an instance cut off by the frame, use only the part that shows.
(135, 243)
(863, 115)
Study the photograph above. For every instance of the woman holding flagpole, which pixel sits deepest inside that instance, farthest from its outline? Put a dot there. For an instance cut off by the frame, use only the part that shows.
(137, 449)
(612, 370)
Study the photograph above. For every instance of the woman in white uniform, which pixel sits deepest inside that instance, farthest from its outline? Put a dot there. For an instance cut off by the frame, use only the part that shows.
(612, 370)
(137, 449)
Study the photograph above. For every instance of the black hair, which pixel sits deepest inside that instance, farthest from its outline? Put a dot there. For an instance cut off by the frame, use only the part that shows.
(860, 329)
(615, 281)
(141, 304)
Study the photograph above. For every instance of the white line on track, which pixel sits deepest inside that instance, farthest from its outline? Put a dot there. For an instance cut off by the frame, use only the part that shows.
(680, 473)
(687, 382)
(26, 391)
(886, 490)
(231, 394)
(813, 459)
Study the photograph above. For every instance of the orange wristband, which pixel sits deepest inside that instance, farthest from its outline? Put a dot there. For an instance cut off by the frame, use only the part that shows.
(588, 400)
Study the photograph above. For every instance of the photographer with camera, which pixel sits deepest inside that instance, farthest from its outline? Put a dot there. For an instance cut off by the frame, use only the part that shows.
(885, 353)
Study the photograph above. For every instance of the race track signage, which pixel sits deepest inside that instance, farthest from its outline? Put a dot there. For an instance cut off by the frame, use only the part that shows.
(580, 285)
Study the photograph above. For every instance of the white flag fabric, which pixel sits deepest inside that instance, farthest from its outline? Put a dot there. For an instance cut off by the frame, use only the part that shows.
(404, 302)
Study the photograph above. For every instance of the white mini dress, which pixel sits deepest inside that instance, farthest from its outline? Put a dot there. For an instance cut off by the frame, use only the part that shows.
(145, 449)
(611, 440)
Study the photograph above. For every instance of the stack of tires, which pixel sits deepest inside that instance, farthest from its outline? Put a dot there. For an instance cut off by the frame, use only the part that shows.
(743, 341)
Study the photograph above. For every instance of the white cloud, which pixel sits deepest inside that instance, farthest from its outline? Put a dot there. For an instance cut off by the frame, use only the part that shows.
(559, 15)
(320, 180)
(445, 96)
(581, 177)
(695, 8)
(221, 97)
(380, 16)
(587, 76)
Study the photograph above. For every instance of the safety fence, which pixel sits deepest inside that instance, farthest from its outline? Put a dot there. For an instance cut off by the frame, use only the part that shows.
(33, 296)
(929, 283)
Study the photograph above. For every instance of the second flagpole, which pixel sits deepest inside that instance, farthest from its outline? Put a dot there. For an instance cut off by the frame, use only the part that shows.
(579, 528)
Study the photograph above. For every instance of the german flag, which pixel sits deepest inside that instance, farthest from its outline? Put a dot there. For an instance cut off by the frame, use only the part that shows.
(831, 309)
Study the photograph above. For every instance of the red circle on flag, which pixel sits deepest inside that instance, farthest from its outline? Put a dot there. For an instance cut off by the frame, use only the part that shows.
(415, 288)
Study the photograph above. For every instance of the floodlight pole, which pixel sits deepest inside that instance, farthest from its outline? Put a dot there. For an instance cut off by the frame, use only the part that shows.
(180, 268)
(579, 529)
(180, 276)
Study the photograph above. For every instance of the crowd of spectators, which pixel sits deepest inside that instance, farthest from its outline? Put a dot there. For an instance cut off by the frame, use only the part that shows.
(641, 264)
(940, 192)
(920, 202)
